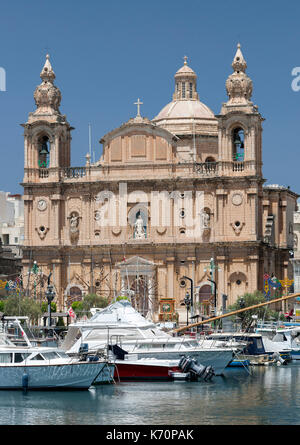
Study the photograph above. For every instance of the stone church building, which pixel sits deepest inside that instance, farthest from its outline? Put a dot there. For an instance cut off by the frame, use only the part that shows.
(181, 195)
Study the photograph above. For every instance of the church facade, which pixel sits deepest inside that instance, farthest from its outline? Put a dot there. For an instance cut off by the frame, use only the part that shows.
(181, 195)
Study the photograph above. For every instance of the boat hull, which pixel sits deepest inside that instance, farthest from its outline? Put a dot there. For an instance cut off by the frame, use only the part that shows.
(136, 371)
(66, 376)
(219, 359)
(106, 375)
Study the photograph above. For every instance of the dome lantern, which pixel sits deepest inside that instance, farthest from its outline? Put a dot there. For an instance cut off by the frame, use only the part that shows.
(185, 83)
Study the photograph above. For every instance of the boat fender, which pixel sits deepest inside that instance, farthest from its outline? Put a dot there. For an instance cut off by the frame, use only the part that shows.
(25, 381)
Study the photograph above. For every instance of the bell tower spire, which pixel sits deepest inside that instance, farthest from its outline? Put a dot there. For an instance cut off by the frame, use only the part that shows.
(240, 123)
(239, 85)
(47, 133)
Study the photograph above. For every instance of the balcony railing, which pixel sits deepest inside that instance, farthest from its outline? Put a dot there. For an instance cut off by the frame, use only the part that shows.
(73, 172)
(207, 168)
(44, 173)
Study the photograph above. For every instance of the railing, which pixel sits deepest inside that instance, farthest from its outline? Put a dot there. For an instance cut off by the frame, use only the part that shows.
(73, 172)
(43, 173)
(206, 168)
(238, 166)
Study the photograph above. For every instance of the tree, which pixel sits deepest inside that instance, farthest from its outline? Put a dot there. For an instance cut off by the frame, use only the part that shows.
(23, 307)
(247, 300)
(89, 301)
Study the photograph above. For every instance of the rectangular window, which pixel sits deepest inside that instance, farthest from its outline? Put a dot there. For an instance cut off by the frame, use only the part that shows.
(5, 358)
(191, 90)
(183, 89)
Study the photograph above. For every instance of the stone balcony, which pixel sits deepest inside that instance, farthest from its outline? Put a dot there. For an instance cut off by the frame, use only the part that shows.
(129, 172)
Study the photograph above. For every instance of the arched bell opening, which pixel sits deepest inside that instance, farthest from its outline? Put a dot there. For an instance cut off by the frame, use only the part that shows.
(44, 152)
(238, 144)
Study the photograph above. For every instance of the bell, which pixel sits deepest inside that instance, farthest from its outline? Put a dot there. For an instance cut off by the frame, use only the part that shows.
(44, 150)
(237, 140)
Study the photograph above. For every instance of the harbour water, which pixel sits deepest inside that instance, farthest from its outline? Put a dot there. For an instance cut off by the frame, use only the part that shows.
(268, 396)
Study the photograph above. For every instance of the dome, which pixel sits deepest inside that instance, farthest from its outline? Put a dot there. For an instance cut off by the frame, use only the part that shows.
(185, 109)
(186, 114)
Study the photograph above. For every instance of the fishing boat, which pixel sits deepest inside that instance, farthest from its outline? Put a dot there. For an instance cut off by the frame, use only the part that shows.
(32, 367)
(122, 325)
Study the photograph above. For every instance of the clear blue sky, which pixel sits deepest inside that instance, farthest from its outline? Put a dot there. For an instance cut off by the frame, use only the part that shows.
(107, 54)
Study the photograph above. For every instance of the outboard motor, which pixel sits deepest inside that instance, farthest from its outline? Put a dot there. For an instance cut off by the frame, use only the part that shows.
(190, 365)
(279, 360)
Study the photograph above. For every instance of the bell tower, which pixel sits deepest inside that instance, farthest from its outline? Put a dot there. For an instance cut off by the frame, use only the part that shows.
(240, 124)
(47, 134)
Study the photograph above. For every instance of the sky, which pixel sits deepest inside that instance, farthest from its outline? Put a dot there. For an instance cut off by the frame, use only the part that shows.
(106, 55)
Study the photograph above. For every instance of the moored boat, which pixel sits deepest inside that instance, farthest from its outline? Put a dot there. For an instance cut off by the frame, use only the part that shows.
(31, 367)
(122, 325)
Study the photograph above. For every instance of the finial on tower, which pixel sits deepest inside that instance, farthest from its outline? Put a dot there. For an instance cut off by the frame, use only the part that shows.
(239, 63)
(47, 73)
(238, 84)
(185, 60)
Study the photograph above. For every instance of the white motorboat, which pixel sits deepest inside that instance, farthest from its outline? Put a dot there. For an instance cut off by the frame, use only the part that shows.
(287, 336)
(28, 367)
(120, 324)
(274, 341)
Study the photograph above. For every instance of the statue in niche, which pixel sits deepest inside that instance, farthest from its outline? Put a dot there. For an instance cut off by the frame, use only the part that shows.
(205, 220)
(74, 226)
(139, 230)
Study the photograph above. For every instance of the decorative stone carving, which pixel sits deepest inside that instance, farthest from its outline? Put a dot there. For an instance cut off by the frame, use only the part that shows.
(239, 85)
(47, 96)
(42, 231)
(237, 227)
(42, 205)
(237, 199)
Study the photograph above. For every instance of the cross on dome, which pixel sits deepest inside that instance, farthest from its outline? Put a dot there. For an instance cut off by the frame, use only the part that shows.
(138, 103)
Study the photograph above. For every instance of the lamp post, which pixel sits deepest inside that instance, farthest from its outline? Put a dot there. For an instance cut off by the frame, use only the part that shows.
(50, 294)
(187, 302)
(192, 293)
(215, 295)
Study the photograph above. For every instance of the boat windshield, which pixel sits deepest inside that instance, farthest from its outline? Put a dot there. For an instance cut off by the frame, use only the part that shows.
(21, 356)
(37, 357)
(50, 355)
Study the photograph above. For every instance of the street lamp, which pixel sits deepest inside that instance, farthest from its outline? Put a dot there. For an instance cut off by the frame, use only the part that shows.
(187, 302)
(192, 292)
(50, 294)
(215, 295)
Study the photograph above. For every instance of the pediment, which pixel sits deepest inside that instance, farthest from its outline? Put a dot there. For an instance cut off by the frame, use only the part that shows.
(135, 262)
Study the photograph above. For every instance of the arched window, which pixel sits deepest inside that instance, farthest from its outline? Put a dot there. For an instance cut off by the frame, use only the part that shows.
(238, 144)
(44, 152)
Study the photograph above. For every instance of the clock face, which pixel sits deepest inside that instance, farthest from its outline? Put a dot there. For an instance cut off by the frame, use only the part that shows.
(42, 205)
(166, 307)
